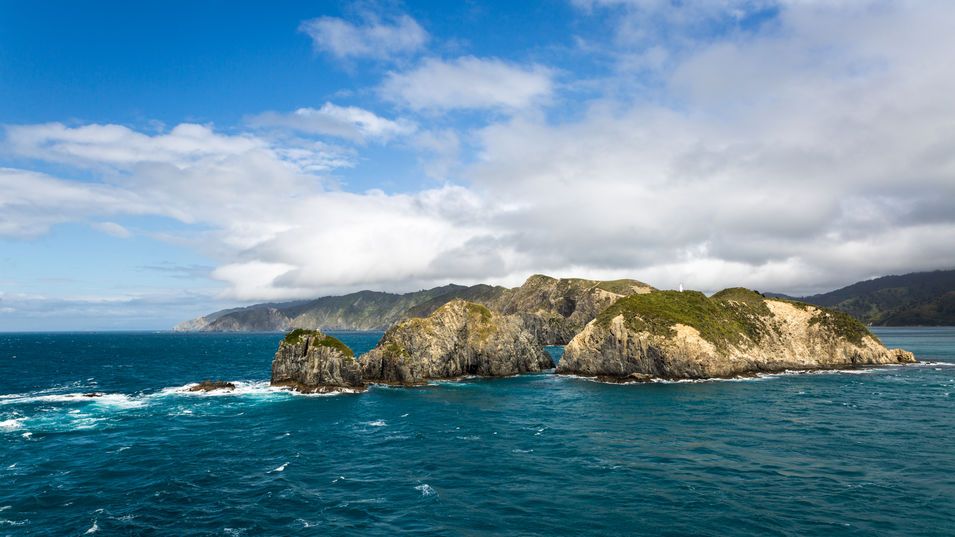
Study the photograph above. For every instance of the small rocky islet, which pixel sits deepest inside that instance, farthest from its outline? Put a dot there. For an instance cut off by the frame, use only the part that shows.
(616, 331)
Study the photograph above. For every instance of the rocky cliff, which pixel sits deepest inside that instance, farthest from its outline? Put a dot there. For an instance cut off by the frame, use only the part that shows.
(458, 339)
(686, 335)
(309, 361)
(560, 307)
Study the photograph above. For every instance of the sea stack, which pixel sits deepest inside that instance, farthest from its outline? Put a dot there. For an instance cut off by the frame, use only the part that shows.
(687, 335)
(309, 361)
(459, 339)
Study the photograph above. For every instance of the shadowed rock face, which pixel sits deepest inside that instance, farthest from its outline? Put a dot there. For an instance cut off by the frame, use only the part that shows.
(556, 309)
(309, 361)
(671, 335)
(458, 339)
(563, 306)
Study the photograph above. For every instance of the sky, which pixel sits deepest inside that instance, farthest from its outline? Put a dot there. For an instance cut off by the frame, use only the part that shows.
(162, 160)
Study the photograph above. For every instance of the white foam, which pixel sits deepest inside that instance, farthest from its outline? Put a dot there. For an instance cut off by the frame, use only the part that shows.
(280, 468)
(752, 378)
(377, 423)
(119, 400)
(426, 490)
(12, 424)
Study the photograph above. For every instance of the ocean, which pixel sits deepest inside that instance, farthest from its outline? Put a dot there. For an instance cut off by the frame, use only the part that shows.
(864, 452)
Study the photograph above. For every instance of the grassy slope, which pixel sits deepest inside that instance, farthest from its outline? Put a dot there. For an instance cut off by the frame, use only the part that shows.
(920, 298)
(728, 318)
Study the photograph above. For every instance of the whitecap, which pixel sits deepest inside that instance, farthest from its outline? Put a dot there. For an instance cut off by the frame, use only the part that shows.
(515, 450)
(404, 415)
(426, 490)
(12, 424)
(377, 423)
(4, 507)
(93, 529)
(118, 400)
(280, 468)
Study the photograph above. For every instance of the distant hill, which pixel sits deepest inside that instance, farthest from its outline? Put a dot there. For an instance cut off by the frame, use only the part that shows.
(916, 299)
(570, 302)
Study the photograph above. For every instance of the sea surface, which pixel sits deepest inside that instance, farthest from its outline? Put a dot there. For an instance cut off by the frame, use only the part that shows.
(865, 452)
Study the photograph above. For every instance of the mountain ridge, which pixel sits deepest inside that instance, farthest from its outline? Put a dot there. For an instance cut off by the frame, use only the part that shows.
(913, 299)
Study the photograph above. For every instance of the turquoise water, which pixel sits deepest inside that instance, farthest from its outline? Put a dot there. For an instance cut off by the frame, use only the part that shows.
(862, 453)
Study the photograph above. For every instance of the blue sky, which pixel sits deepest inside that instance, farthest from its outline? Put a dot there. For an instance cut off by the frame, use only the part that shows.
(159, 160)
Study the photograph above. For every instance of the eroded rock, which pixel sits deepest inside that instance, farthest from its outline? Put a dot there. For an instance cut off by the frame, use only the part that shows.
(686, 335)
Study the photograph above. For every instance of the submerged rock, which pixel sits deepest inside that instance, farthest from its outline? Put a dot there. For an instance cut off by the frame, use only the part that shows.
(309, 361)
(211, 385)
(686, 335)
(459, 339)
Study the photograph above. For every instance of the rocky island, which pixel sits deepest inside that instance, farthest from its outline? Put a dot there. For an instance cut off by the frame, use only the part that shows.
(309, 361)
(687, 335)
(616, 331)
(459, 339)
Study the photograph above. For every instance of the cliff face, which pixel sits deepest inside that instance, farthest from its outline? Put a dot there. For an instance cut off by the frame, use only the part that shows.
(562, 307)
(673, 335)
(459, 339)
(311, 362)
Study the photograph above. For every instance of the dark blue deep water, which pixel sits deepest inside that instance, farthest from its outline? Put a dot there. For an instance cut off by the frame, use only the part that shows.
(852, 453)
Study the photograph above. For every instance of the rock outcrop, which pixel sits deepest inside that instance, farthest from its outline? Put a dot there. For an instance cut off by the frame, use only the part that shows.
(309, 361)
(686, 335)
(561, 307)
(459, 339)
(558, 308)
(211, 386)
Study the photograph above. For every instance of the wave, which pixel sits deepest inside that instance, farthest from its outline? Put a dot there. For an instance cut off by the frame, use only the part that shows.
(279, 469)
(12, 424)
(106, 399)
(756, 377)
(426, 490)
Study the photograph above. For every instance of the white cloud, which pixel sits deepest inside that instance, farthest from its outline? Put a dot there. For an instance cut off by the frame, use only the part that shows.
(112, 228)
(31, 203)
(797, 159)
(469, 83)
(275, 230)
(348, 122)
(373, 38)
(800, 157)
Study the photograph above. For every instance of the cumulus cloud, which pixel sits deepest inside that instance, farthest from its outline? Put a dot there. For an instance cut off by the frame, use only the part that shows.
(373, 38)
(798, 159)
(276, 229)
(348, 122)
(468, 83)
(794, 157)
